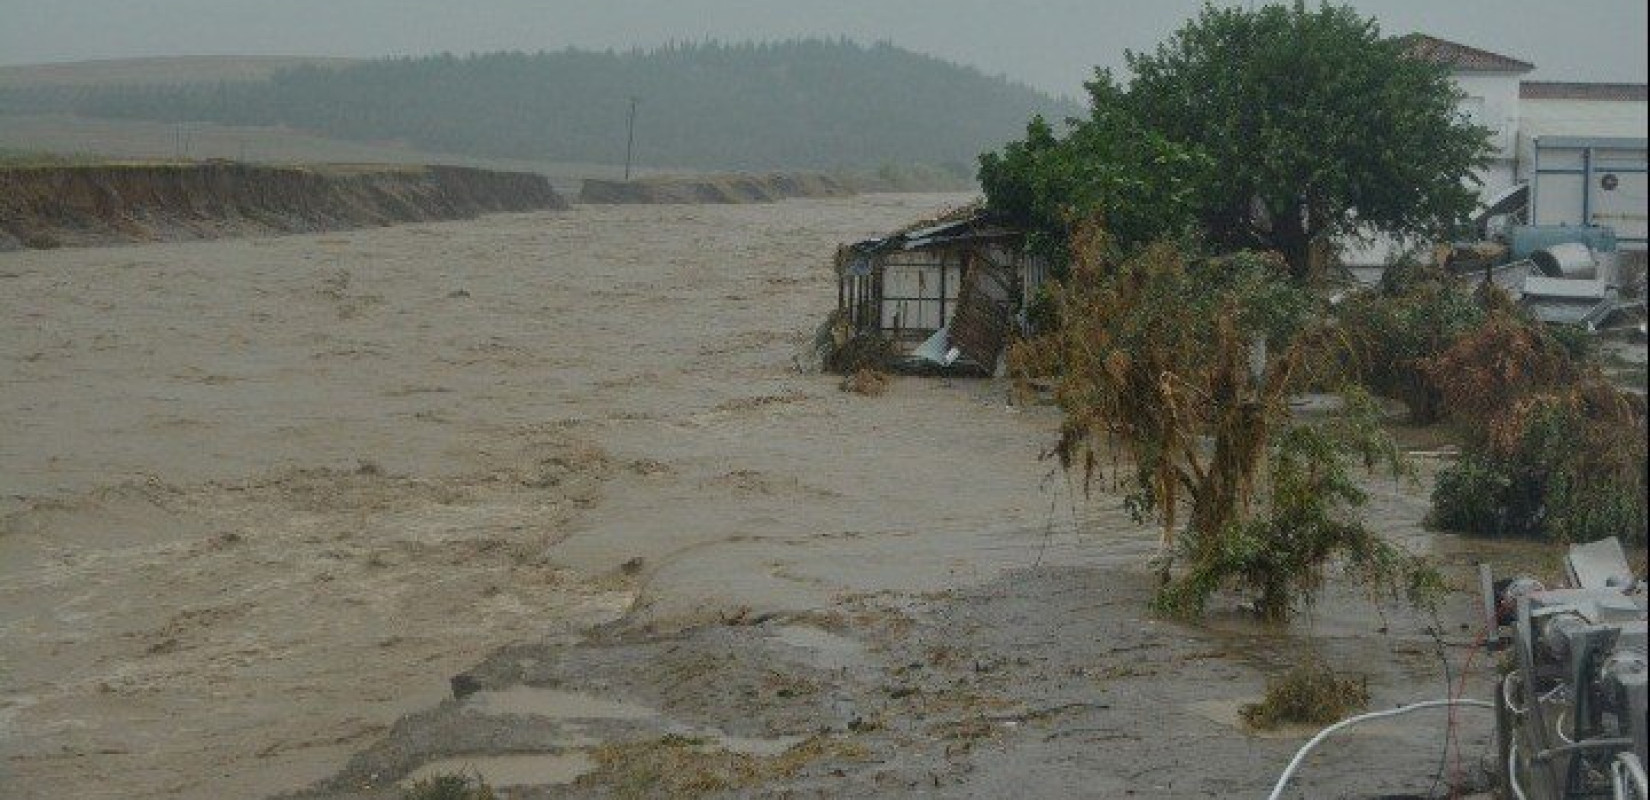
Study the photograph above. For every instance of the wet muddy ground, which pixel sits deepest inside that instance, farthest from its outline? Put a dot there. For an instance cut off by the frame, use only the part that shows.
(544, 496)
(1044, 682)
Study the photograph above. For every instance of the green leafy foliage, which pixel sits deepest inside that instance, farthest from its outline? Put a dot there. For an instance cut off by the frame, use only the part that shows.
(1276, 129)
(1553, 450)
(1307, 520)
(1564, 464)
(450, 787)
(1107, 167)
(1396, 331)
(1311, 694)
(1475, 494)
(1154, 365)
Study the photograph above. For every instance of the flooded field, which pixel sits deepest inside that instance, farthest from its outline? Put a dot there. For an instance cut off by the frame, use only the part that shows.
(261, 499)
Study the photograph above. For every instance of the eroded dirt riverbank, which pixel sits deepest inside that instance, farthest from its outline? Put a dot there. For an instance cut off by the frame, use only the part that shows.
(263, 498)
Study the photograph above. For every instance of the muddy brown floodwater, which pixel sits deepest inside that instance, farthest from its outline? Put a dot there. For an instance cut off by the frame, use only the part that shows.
(261, 499)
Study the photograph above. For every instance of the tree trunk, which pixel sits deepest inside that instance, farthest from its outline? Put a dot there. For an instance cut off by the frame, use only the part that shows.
(1294, 243)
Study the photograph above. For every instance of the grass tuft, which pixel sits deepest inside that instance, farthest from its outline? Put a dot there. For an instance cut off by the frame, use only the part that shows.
(865, 381)
(1311, 693)
(456, 786)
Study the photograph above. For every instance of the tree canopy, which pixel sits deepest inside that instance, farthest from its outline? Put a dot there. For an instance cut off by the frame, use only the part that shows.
(1277, 129)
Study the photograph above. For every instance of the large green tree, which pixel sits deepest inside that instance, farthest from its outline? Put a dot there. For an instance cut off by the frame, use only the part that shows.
(1284, 128)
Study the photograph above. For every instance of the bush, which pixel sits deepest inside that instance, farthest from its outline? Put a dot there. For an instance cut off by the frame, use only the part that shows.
(1563, 466)
(1158, 364)
(1282, 556)
(1311, 694)
(1474, 494)
(868, 382)
(1553, 450)
(1395, 333)
(449, 787)
(844, 351)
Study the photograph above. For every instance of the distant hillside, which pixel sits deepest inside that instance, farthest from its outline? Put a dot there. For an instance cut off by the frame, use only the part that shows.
(77, 205)
(821, 104)
(166, 70)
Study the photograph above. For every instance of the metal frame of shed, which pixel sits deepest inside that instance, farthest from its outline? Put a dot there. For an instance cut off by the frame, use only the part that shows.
(950, 258)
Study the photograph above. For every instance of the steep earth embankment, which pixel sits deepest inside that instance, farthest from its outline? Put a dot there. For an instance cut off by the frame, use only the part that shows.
(765, 188)
(44, 207)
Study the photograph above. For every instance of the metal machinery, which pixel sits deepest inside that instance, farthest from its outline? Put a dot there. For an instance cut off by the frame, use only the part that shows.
(1571, 715)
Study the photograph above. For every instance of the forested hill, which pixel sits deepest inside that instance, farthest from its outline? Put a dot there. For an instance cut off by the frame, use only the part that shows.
(810, 103)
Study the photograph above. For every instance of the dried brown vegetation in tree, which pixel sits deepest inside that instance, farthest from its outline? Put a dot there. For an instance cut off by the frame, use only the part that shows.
(1396, 330)
(1504, 360)
(1182, 371)
(1554, 450)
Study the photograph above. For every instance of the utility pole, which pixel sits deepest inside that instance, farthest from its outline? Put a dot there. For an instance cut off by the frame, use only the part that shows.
(630, 138)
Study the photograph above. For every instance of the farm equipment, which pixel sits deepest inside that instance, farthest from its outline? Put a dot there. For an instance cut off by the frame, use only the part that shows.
(1570, 718)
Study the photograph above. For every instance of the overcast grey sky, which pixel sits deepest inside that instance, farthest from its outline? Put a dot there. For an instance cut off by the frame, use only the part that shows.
(1051, 44)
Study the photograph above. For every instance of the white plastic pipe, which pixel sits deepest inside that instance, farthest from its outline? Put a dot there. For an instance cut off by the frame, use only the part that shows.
(1512, 771)
(1627, 767)
(1295, 763)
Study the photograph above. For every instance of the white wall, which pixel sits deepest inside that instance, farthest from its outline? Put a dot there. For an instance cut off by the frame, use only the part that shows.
(1558, 198)
(1577, 118)
(1492, 101)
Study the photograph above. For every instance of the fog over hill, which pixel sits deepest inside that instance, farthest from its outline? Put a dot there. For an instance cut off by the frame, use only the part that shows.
(800, 103)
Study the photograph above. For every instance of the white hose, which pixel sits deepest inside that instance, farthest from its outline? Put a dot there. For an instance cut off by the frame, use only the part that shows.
(1295, 763)
(1512, 771)
(1558, 726)
(1506, 693)
(1627, 766)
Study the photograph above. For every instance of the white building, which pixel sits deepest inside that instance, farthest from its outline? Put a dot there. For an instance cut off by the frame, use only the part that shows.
(1491, 84)
(1564, 153)
(1582, 152)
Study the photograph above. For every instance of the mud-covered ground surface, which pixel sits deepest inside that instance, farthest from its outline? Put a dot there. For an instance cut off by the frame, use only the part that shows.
(1045, 682)
(267, 506)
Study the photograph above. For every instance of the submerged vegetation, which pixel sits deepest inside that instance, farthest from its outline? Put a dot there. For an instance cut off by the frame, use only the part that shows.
(1396, 330)
(1553, 450)
(1174, 347)
(687, 767)
(450, 787)
(1177, 372)
(1309, 694)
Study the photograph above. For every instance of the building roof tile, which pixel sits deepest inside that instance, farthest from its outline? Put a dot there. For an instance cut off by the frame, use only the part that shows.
(1460, 57)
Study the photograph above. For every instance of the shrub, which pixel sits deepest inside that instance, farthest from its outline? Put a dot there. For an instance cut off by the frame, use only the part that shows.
(865, 381)
(1565, 465)
(1183, 369)
(1311, 693)
(1395, 333)
(1553, 450)
(1282, 555)
(1474, 494)
(449, 787)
